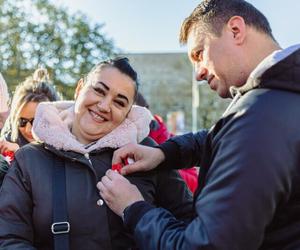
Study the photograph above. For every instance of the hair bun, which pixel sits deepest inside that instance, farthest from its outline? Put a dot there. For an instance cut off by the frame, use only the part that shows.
(41, 75)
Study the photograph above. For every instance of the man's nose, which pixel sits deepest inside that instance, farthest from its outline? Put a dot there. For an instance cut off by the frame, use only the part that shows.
(201, 72)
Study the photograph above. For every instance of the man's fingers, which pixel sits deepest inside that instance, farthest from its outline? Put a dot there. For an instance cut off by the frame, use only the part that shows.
(106, 182)
(116, 158)
(100, 186)
(123, 153)
(113, 175)
(120, 154)
(104, 193)
(131, 168)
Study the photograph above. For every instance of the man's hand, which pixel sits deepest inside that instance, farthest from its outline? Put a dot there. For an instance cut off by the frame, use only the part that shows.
(145, 158)
(118, 192)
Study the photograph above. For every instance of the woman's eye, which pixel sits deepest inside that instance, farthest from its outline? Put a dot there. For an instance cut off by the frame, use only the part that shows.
(120, 103)
(99, 90)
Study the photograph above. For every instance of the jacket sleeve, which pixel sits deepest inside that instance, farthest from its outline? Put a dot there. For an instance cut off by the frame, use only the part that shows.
(171, 191)
(180, 150)
(16, 229)
(173, 194)
(246, 181)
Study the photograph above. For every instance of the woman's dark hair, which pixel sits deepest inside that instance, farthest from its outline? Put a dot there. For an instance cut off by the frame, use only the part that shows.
(141, 101)
(120, 63)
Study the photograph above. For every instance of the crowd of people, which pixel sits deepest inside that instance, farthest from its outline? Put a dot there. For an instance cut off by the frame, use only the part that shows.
(58, 187)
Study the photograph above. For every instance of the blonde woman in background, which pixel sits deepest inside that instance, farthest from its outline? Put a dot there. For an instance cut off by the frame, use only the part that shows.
(17, 128)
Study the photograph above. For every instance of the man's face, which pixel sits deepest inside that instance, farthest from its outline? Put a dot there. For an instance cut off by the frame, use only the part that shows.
(216, 60)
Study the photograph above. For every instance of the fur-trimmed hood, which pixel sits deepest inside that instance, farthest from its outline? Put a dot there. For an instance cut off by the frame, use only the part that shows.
(53, 121)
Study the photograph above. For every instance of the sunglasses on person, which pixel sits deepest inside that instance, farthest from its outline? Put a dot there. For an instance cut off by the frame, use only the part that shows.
(23, 122)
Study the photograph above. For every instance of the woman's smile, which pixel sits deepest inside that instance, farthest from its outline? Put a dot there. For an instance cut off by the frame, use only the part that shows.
(97, 117)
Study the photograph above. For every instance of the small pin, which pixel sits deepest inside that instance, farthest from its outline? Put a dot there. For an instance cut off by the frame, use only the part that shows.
(130, 160)
(100, 202)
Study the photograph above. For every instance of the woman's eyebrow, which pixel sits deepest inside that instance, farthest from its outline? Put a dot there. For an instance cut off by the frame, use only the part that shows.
(104, 85)
(119, 95)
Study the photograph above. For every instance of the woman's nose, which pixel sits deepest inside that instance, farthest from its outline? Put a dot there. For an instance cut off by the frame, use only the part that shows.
(104, 105)
(28, 127)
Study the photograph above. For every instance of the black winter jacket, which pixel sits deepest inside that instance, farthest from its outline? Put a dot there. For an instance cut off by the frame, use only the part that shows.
(249, 192)
(26, 200)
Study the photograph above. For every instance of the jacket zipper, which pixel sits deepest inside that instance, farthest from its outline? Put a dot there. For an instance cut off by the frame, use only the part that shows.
(100, 202)
(87, 156)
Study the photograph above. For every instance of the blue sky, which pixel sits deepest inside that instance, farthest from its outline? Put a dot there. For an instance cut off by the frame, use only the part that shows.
(153, 25)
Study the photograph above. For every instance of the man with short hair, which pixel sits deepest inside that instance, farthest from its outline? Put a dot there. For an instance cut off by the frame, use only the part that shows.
(249, 186)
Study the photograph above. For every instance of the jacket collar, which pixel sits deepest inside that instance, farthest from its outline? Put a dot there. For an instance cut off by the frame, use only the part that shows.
(270, 61)
(53, 121)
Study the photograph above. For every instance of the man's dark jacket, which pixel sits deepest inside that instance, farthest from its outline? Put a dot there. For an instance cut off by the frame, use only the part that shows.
(249, 186)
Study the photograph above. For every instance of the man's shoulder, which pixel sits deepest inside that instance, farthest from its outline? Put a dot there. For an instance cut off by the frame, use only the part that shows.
(264, 102)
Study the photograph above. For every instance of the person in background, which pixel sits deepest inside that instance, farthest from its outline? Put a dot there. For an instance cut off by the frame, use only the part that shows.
(248, 196)
(160, 133)
(28, 94)
(4, 111)
(49, 198)
(4, 101)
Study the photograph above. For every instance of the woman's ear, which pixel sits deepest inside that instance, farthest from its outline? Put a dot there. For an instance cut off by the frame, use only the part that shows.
(79, 86)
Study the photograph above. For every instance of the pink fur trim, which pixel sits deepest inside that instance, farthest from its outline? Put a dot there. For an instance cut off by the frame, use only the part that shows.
(53, 121)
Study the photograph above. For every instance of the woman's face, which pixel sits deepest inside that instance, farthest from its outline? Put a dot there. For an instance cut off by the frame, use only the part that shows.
(25, 120)
(102, 104)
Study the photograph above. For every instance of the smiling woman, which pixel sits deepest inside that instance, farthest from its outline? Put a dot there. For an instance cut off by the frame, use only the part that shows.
(51, 188)
(106, 98)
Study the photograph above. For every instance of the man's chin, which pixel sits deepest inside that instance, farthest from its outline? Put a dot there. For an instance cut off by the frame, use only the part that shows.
(224, 94)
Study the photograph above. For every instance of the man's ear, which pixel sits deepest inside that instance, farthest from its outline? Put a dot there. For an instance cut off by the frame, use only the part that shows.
(79, 86)
(237, 27)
